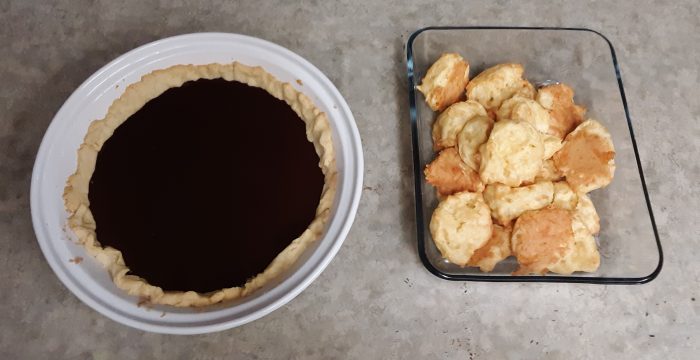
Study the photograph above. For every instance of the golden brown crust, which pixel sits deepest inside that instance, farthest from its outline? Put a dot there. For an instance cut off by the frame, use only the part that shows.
(151, 85)
(444, 82)
(451, 121)
(587, 157)
(524, 109)
(552, 144)
(526, 89)
(507, 203)
(564, 196)
(474, 133)
(460, 225)
(512, 155)
(497, 84)
(541, 238)
(495, 250)
(585, 211)
(450, 175)
(548, 172)
(558, 99)
(583, 255)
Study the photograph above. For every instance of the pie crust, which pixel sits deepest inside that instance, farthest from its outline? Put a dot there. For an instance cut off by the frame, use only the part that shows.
(75, 195)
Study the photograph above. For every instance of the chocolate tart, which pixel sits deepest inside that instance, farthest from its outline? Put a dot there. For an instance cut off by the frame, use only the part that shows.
(202, 183)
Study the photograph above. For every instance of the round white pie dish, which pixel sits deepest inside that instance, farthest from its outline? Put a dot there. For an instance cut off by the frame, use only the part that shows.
(56, 160)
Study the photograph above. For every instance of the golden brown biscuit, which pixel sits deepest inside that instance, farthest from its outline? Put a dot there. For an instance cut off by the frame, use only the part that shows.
(564, 196)
(530, 111)
(496, 84)
(526, 90)
(444, 82)
(552, 144)
(548, 172)
(495, 250)
(558, 99)
(541, 238)
(512, 155)
(582, 206)
(585, 211)
(474, 133)
(582, 256)
(460, 225)
(537, 160)
(450, 175)
(524, 109)
(587, 157)
(451, 122)
(508, 203)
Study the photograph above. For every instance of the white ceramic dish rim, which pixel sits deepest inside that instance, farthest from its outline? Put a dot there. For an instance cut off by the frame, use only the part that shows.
(89, 282)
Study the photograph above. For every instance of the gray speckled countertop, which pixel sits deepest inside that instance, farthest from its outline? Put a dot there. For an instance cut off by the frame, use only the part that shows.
(375, 300)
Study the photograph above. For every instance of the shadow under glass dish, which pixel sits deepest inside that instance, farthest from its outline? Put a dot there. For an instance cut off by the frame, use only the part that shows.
(584, 59)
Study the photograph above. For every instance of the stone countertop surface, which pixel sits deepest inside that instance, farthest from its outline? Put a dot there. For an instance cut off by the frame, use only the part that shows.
(375, 300)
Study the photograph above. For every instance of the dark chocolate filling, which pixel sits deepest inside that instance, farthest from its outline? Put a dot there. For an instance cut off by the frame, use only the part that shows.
(205, 185)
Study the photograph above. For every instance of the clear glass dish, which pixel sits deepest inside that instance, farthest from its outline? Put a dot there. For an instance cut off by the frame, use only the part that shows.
(585, 59)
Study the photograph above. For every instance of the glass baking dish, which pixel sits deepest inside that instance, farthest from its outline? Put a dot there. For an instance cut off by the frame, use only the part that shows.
(585, 59)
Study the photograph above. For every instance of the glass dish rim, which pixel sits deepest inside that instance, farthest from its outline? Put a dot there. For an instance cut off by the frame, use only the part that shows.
(418, 178)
